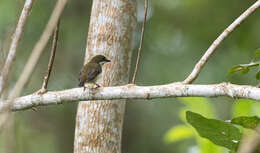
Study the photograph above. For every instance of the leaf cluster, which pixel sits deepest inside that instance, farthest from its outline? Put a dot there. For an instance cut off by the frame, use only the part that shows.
(225, 134)
(244, 68)
(213, 135)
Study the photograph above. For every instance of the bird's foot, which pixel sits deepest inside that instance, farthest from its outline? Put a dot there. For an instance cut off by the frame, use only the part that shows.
(91, 86)
(96, 86)
(41, 91)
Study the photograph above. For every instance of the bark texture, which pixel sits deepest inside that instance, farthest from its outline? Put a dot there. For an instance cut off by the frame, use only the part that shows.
(99, 125)
(132, 92)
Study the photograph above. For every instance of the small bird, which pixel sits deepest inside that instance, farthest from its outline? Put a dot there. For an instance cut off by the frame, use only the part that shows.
(90, 71)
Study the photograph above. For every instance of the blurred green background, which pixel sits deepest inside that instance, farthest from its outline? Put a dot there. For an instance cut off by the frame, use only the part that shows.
(177, 34)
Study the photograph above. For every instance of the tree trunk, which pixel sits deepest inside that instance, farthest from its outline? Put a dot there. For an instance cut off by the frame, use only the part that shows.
(99, 124)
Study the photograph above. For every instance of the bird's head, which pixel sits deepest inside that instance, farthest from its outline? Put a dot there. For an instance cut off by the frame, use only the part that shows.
(100, 59)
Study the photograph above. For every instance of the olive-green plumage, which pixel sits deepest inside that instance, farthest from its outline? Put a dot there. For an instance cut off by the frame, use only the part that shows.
(91, 70)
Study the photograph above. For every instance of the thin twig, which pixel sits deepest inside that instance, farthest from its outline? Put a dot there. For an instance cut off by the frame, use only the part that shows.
(51, 60)
(5, 115)
(15, 41)
(249, 143)
(194, 74)
(141, 42)
(37, 50)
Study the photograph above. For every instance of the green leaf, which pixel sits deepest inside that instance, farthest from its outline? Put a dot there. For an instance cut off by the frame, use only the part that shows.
(257, 76)
(243, 68)
(178, 133)
(257, 53)
(245, 71)
(195, 104)
(235, 69)
(219, 132)
(246, 121)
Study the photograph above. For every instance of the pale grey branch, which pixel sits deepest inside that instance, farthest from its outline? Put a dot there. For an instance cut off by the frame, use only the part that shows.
(38, 48)
(15, 40)
(134, 92)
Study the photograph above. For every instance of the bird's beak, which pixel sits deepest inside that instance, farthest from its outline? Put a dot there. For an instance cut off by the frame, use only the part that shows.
(108, 60)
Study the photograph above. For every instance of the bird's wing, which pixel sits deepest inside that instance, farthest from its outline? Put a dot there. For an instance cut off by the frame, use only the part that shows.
(82, 77)
(88, 73)
(93, 72)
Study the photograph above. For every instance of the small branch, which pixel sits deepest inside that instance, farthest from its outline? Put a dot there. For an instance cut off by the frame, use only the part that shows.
(141, 42)
(38, 48)
(250, 143)
(15, 41)
(51, 60)
(133, 92)
(194, 74)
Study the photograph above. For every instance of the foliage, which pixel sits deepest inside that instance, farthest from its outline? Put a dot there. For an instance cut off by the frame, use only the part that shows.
(183, 132)
(246, 121)
(244, 68)
(217, 131)
(222, 133)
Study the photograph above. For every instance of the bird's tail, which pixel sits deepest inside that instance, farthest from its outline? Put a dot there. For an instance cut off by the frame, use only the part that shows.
(81, 84)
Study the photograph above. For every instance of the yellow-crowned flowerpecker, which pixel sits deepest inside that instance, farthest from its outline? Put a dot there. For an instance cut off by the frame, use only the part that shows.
(90, 71)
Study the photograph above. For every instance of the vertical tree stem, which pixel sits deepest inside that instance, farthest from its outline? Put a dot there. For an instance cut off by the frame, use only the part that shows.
(141, 42)
(38, 49)
(15, 40)
(51, 60)
(99, 124)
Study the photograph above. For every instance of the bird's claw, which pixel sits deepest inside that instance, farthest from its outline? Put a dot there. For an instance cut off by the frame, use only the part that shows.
(96, 86)
(41, 91)
(93, 86)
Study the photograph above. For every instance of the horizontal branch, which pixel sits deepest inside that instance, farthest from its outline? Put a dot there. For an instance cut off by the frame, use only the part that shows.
(133, 92)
